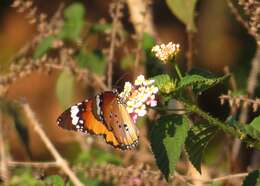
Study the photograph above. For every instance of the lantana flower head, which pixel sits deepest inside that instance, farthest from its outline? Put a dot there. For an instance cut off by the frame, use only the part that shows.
(166, 52)
(139, 96)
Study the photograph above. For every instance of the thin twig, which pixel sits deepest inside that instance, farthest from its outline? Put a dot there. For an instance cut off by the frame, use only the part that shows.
(228, 177)
(252, 83)
(141, 19)
(115, 13)
(59, 160)
(218, 179)
(141, 16)
(33, 164)
(81, 73)
(237, 16)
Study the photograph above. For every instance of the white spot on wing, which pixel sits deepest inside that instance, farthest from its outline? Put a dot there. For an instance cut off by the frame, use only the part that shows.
(74, 110)
(98, 104)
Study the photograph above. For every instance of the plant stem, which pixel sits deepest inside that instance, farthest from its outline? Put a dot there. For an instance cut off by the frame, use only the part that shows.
(178, 70)
(62, 163)
(222, 125)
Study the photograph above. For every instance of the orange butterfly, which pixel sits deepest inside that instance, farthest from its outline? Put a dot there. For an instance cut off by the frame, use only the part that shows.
(106, 115)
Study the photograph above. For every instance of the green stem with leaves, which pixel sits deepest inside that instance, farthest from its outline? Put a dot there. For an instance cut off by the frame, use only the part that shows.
(235, 132)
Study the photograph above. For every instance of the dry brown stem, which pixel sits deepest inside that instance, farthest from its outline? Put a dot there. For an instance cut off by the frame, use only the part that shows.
(58, 158)
(250, 8)
(4, 172)
(116, 14)
(145, 176)
(141, 16)
(240, 101)
(251, 20)
(33, 164)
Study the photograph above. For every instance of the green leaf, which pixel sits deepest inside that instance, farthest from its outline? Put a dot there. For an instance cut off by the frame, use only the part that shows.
(148, 41)
(185, 11)
(167, 138)
(164, 83)
(200, 81)
(54, 180)
(74, 21)
(94, 61)
(253, 129)
(198, 138)
(43, 47)
(100, 27)
(253, 179)
(65, 88)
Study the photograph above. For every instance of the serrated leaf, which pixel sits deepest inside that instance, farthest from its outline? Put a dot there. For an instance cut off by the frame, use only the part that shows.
(100, 27)
(65, 88)
(167, 139)
(43, 47)
(148, 41)
(198, 138)
(54, 180)
(74, 22)
(94, 61)
(164, 83)
(200, 81)
(185, 11)
(253, 179)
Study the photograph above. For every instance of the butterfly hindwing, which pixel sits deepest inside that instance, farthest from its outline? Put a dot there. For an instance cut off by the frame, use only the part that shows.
(118, 120)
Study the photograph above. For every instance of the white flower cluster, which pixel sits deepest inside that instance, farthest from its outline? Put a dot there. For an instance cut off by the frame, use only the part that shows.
(166, 52)
(139, 96)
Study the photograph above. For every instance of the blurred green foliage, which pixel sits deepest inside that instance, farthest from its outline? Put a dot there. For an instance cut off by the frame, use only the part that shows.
(71, 30)
(185, 11)
(73, 23)
(65, 88)
(97, 156)
(44, 46)
(24, 176)
(92, 60)
(100, 27)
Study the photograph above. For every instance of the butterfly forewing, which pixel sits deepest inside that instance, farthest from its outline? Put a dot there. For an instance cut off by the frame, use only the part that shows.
(118, 120)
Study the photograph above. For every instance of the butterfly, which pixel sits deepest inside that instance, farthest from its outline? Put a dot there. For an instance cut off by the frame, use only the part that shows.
(106, 115)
